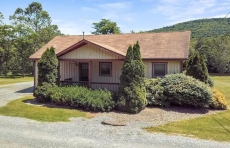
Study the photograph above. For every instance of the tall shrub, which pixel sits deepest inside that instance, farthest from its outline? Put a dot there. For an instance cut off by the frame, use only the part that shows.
(48, 67)
(197, 68)
(132, 98)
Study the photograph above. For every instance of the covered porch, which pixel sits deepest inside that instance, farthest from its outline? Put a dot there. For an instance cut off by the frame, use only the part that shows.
(95, 74)
(91, 65)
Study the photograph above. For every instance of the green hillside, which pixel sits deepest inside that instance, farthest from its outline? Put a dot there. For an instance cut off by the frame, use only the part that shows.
(200, 28)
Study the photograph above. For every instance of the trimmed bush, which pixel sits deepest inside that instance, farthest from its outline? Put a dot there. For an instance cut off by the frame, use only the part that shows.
(218, 100)
(76, 96)
(179, 89)
(42, 94)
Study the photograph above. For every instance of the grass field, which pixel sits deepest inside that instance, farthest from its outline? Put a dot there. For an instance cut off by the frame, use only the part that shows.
(214, 127)
(16, 79)
(18, 108)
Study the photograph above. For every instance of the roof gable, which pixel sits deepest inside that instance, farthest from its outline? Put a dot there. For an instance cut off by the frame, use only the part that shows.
(85, 42)
(87, 50)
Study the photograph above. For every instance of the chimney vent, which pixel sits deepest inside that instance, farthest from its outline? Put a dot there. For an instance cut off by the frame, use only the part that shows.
(83, 35)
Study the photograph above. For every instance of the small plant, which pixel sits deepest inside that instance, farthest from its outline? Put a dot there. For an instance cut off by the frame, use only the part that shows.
(210, 82)
(218, 100)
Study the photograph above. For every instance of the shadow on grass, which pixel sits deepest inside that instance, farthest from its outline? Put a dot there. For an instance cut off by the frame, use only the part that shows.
(227, 130)
(52, 105)
(181, 109)
(14, 77)
(26, 90)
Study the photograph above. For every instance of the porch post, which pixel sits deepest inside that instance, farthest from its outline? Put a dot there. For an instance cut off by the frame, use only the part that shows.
(35, 76)
(90, 74)
(58, 78)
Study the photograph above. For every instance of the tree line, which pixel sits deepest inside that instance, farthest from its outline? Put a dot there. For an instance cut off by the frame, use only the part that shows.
(201, 28)
(29, 30)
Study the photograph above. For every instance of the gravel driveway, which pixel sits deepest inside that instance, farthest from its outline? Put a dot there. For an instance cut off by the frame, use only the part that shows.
(80, 132)
(15, 91)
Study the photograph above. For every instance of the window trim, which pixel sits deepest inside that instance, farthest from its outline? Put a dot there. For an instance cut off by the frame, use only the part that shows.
(166, 68)
(104, 74)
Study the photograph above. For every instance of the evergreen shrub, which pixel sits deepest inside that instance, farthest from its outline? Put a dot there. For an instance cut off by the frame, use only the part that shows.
(42, 94)
(76, 96)
(132, 93)
(196, 67)
(48, 67)
(179, 89)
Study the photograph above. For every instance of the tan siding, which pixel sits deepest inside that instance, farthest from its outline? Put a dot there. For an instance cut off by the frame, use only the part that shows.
(116, 72)
(68, 70)
(173, 67)
(89, 52)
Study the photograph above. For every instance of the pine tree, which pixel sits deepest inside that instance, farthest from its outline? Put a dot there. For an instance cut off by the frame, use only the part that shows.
(132, 94)
(48, 67)
(197, 68)
(137, 52)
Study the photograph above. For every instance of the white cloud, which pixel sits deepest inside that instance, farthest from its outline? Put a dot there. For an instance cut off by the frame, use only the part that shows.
(73, 28)
(115, 6)
(118, 12)
(178, 9)
(88, 9)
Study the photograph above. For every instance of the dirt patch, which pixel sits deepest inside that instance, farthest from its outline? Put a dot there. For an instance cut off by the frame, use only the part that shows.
(158, 116)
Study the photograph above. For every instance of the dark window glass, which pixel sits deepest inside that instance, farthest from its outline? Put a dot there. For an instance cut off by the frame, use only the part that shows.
(159, 69)
(105, 69)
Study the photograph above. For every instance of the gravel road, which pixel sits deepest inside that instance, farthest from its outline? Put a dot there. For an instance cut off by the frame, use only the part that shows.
(84, 133)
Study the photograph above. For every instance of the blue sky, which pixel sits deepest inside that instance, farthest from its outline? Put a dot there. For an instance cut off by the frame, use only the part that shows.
(75, 16)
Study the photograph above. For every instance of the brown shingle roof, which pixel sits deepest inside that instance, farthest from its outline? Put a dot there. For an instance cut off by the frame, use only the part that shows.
(170, 45)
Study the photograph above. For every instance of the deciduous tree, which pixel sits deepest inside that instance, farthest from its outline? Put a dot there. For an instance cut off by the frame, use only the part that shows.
(105, 26)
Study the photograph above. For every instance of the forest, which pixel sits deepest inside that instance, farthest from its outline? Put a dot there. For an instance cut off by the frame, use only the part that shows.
(201, 28)
(29, 30)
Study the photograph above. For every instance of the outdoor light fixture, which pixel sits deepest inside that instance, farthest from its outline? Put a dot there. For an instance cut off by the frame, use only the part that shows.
(73, 62)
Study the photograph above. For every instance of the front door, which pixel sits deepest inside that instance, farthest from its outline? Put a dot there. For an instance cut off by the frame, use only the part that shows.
(83, 71)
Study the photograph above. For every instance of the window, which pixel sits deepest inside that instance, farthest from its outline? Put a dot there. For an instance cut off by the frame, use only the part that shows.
(105, 68)
(159, 69)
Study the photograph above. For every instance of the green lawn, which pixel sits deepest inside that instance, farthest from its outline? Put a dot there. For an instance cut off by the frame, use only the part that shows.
(16, 79)
(18, 108)
(214, 127)
(222, 83)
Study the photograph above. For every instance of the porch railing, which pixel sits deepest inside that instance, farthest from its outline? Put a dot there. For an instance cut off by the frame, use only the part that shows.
(74, 83)
(94, 85)
(109, 86)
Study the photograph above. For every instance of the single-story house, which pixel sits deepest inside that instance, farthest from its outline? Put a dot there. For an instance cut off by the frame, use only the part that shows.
(96, 60)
